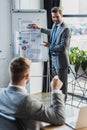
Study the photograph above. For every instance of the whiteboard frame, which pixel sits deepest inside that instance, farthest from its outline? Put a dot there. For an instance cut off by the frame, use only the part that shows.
(42, 14)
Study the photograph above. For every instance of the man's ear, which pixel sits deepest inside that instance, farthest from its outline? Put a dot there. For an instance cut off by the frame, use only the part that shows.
(27, 76)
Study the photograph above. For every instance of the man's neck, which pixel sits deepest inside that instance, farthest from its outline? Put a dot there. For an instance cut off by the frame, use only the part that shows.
(59, 22)
(21, 83)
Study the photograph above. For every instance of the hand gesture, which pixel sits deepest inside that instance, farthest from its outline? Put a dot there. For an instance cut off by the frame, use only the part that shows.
(56, 83)
(35, 26)
(46, 44)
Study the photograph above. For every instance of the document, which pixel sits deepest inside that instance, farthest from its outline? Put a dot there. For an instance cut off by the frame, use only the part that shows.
(28, 41)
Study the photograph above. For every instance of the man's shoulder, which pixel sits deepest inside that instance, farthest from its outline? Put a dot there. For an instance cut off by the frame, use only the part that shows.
(64, 25)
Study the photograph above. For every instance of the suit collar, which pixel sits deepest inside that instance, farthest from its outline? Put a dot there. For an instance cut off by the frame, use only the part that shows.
(17, 88)
(21, 87)
(58, 24)
(59, 30)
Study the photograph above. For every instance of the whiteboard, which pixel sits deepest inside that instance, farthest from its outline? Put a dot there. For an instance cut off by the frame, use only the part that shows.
(26, 40)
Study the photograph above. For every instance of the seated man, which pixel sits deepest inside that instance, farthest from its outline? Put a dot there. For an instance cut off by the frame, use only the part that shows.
(16, 102)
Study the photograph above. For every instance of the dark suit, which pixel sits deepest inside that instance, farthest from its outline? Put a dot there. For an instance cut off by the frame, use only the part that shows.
(60, 49)
(17, 103)
(6, 124)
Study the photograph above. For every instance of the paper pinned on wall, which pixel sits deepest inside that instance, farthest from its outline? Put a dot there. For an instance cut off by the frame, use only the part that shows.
(31, 39)
(27, 41)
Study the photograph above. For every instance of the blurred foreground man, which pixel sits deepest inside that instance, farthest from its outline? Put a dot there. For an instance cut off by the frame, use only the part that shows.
(17, 103)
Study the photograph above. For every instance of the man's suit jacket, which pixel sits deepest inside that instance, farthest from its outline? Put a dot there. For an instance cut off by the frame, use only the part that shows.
(61, 44)
(17, 103)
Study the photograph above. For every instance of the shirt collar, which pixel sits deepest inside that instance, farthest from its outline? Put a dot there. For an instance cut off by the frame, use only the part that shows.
(21, 87)
(58, 24)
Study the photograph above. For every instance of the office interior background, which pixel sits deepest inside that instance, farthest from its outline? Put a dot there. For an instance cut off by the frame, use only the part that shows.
(75, 15)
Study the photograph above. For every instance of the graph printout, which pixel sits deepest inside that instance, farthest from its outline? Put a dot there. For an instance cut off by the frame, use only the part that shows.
(28, 40)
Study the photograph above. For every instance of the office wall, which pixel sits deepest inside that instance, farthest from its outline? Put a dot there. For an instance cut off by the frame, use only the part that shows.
(35, 84)
(28, 4)
(5, 41)
(68, 9)
(6, 46)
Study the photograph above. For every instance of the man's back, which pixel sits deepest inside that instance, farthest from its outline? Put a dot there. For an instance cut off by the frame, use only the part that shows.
(15, 102)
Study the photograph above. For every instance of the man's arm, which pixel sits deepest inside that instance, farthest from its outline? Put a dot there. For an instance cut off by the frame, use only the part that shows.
(40, 112)
(46, 31)
(43, 30)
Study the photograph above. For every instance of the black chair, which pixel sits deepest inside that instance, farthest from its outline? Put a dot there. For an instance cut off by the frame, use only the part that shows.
(7, 124)
(20, 124)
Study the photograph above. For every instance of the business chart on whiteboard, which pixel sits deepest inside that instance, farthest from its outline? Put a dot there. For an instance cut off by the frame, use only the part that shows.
(27, 40)
(30, 40)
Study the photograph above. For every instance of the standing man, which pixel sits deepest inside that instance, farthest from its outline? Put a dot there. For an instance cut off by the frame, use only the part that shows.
(16, 102)
(59, 46)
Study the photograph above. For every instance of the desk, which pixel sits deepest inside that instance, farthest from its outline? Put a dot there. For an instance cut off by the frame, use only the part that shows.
(63, 127)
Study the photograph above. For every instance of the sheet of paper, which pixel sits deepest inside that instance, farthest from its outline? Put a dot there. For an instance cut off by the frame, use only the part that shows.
(29, 40)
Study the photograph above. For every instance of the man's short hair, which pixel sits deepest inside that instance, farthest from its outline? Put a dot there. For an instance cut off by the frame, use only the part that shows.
(56, 9)
(18, 68)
